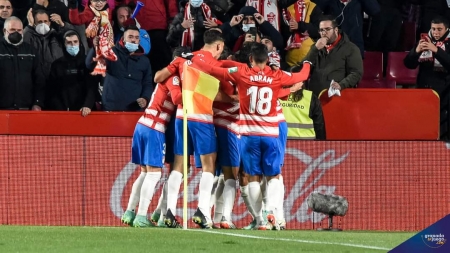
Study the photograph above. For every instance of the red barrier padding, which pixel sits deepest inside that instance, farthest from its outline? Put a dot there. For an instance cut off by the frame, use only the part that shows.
(63, 180)
(4, 172)
(382, 114)
(4, 122)
(68, 123)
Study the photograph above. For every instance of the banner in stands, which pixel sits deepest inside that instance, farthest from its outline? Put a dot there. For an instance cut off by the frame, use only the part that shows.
(63, 180)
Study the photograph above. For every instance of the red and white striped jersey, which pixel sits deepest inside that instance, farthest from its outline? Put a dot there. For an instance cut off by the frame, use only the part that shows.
(226, 115)
(161, 107)
(280, 112)
(258, 95)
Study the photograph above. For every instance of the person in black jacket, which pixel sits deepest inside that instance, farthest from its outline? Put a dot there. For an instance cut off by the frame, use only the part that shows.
(385, 26)
(128, 82)
(54, 8)
(432, 56)
(191, 19)
(22, 84)
(70, 86)
(248, 18)
(430, 10)
(45, 39)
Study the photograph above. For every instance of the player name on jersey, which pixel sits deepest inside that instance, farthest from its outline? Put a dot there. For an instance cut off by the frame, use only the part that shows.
(261, 78)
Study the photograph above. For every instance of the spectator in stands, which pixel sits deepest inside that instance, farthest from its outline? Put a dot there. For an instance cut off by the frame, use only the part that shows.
(269, 10)
(122, 18)
(70, 86)
(335, 58)
(432, 56)
(128, 83)
(56, 9)
(22, 83)
(385, 26)
(430, 10)
(188, 26)
(21, 8)
(302, 18)
(96, 8)
(111, 4)
(6, 11)
(248, 18)
(155, 17)
(46, 40)
(349, 16)
(304, 116)
(220, 9)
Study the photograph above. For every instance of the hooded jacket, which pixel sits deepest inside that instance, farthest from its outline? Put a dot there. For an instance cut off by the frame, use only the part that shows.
(70, 86)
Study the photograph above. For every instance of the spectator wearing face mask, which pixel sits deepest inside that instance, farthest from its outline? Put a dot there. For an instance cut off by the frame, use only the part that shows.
(70, 86)
(247, 20)
(128, 82)
(122, 18)
(56, 9)
(22, 83)
(45, 39)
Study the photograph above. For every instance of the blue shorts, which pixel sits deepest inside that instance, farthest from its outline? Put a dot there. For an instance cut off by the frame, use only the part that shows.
(178, 143)
(170, 140)
(201, 138)
(148, 147)
(283, 129)
(218, 170)
(228, 148)
(261, 155)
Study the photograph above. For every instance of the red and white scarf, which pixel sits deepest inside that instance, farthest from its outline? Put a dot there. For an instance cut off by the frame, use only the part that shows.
(101, 27)
(428, 54)
(330, 47)
(268, 9)
(345, 2)
(296, 39)
(188, 35)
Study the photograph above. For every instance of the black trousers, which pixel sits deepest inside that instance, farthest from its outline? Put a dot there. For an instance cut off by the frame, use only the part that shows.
(385, 30)
(160, 54)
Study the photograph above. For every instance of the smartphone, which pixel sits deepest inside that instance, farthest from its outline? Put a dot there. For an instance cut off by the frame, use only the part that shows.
(253, 32)
(423, 36)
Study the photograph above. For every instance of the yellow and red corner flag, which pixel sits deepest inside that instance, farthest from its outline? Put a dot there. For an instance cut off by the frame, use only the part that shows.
(199, 91)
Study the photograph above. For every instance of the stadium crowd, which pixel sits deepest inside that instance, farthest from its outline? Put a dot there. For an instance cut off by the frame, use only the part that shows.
(85, 55)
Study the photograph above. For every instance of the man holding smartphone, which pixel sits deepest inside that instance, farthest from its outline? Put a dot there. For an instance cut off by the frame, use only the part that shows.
(432, 56)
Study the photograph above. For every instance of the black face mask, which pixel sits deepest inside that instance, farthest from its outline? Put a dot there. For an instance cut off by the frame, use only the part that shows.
(14, 37)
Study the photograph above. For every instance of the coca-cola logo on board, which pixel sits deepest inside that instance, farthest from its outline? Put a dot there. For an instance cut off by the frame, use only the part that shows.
(295, 206)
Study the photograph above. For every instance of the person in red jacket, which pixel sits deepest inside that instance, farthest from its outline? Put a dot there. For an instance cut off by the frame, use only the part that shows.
(86, 17)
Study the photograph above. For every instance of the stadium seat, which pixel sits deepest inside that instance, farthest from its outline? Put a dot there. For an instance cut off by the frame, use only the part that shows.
(373, 66)
(397, 72)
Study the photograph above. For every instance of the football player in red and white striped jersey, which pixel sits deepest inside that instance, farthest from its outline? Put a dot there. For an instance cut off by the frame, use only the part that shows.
(259, 88)
(149, 149)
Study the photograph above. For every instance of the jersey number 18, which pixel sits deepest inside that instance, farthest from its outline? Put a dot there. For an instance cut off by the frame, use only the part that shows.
(260, 99)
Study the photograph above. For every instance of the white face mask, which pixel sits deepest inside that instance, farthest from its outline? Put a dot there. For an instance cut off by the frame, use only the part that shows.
(42, 29)
(246, 27)
(196, 3)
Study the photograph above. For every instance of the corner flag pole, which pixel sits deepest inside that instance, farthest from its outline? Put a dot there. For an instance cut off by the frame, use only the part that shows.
(185, 169)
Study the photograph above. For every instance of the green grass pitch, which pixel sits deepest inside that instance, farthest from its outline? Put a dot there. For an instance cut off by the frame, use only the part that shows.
(125, 239)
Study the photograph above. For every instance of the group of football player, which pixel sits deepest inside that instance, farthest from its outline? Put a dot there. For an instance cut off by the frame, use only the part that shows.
(240, 136)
